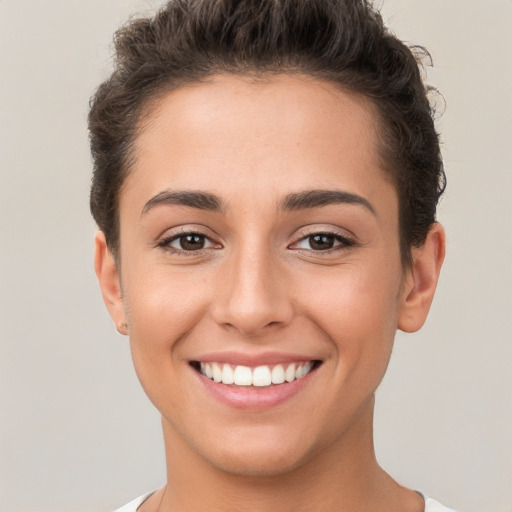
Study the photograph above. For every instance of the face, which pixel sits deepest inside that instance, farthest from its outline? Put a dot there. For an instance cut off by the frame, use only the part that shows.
(259, 268)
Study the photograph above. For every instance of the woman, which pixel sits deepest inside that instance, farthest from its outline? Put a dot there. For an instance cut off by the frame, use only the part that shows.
(266, 180)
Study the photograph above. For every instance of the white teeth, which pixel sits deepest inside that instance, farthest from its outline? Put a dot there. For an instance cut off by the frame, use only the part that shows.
(228, 376)
(217, 372)
(243, 376)
(260, 376)
(289, 374)
(303, 369)
(278, 374)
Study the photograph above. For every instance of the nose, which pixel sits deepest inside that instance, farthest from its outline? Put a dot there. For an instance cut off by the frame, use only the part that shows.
(253, 294)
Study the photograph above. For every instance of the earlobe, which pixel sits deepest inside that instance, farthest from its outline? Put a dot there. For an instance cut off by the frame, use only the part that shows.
(109, 281)
(421, 281)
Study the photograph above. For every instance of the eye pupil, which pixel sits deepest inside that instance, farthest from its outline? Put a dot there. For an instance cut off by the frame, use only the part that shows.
(321, 242)
(192, 242)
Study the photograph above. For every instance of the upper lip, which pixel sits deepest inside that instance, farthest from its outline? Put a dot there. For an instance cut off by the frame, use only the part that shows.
(253, 360)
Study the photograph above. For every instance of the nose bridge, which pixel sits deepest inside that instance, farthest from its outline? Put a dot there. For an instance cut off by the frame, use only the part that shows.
(252, 290)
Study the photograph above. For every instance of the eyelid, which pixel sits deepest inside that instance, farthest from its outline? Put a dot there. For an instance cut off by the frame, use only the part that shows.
(346, 240)
(165, 240)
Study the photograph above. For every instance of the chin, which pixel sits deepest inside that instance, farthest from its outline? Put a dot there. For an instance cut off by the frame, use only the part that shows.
(259, 464)
(260, 453)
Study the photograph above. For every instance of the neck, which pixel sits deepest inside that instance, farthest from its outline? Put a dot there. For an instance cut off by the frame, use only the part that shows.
(343, 476)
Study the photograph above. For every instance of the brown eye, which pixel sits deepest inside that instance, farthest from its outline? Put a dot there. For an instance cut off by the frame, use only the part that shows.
(187, 242)
(192, 242)
(321, 242)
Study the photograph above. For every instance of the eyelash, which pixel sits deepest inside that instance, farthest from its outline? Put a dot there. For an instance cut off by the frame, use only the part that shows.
(165, 244)
(344, 242)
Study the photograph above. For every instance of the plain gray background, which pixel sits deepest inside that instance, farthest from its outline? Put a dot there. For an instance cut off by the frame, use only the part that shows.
(77, 434)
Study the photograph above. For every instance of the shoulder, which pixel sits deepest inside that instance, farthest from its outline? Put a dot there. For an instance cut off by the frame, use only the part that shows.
(133, 505)
(434, 506)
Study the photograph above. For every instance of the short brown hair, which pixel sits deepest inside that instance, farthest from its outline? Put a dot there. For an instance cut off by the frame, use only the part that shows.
(342, 41)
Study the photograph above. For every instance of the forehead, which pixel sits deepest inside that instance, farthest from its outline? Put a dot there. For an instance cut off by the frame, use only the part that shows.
(236, 132)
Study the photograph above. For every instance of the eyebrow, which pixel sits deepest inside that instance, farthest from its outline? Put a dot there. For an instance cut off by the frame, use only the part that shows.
(317, 198)
(192, 198)
(292, 202)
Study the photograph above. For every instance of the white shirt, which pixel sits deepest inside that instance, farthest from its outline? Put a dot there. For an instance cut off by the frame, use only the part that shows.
(430, 505)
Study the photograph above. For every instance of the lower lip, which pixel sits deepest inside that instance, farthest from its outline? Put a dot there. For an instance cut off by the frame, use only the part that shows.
(251, 398)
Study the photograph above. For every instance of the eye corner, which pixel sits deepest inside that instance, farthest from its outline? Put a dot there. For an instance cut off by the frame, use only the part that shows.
(197, 244)
(327, 241)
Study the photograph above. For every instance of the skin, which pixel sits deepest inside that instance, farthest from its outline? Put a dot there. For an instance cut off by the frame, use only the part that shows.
(260, 285)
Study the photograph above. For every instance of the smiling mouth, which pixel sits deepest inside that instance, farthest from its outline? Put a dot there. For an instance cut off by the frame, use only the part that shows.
(259, 376)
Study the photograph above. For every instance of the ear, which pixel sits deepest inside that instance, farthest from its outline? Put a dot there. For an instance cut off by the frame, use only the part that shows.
(421, 280)
(110, 283)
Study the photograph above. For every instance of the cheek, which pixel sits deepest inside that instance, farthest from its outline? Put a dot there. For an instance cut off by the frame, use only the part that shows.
(357, 308)
(161, 308)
